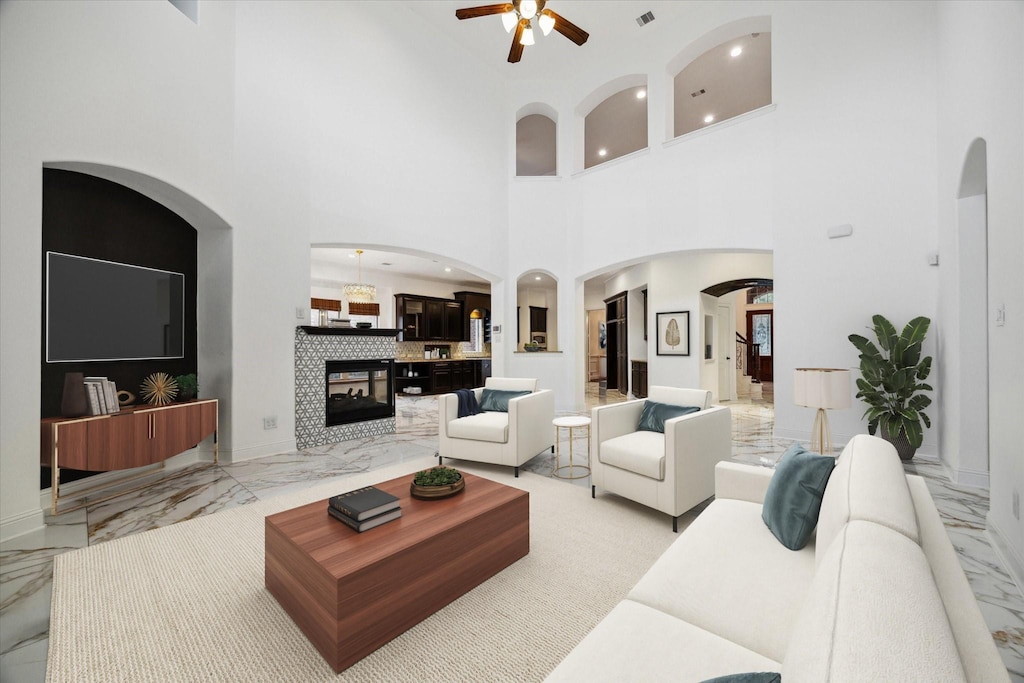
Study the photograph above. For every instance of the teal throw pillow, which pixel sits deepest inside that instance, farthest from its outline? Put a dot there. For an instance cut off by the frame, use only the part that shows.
(654, 415)
(793, 498)
(496, 401)
(761, 677)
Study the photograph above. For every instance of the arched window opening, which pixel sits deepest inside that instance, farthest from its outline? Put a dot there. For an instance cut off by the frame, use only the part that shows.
(537, 312)
(730, 79)
(616, 127)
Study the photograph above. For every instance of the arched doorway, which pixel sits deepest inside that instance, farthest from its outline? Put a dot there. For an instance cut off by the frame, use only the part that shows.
(743, 330)
(972, 280)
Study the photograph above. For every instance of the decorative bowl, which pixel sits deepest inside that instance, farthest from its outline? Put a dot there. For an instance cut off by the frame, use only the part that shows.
(436, 492)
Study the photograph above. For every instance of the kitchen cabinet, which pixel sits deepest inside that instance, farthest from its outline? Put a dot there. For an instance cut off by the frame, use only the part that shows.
(441, 377)
(424, 318)
(538, 319)
(475, 301)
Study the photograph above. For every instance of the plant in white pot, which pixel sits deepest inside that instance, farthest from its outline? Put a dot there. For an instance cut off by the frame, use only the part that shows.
(892, 383)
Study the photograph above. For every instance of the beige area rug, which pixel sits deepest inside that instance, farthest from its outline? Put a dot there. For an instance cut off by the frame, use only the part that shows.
(187, 602)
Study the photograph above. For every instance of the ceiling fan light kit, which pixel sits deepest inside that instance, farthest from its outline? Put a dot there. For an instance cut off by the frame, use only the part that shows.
(518, 15)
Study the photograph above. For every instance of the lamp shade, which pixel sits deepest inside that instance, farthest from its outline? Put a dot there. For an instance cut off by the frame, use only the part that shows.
(822, 388)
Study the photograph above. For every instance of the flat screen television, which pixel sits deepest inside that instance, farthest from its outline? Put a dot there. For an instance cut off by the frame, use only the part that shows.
(101, 311)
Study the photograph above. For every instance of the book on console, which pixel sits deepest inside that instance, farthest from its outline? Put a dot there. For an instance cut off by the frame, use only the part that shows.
(369, 523)
(364, 503)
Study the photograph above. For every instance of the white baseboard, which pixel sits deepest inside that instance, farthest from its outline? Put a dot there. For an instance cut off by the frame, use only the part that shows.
(1008, 555)
(23, 523)
(927, 451)
(969, 477)
(253, 452)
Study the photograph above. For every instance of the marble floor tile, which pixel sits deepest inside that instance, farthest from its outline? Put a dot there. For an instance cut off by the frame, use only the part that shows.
(25, 605)
(26, 663)
(201, 489)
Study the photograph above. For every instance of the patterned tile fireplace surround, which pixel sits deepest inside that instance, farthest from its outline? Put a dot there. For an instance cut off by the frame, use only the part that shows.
(312, 351)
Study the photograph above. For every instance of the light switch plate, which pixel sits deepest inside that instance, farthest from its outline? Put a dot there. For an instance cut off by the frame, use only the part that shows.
(300, 312)
(1000, 315)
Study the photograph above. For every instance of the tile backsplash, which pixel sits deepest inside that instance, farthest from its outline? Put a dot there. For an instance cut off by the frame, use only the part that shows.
(458, 350)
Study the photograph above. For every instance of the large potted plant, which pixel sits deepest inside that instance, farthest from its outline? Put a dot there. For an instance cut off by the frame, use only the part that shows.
(892, 383)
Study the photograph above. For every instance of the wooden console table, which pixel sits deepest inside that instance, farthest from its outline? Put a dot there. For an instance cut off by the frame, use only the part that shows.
(134, 437)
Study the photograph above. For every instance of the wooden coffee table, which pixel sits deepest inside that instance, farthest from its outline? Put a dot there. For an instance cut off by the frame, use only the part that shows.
(350, 593)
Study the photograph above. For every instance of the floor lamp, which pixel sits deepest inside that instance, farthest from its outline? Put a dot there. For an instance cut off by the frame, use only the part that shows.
(824, 389)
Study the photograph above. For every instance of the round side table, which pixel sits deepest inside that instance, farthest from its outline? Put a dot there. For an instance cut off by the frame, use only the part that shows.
(571, 422)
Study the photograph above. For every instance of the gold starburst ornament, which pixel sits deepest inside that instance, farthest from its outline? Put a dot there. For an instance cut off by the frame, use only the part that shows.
(159, 389)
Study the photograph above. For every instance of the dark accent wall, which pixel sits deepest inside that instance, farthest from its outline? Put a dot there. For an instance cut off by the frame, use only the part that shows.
(88, 216)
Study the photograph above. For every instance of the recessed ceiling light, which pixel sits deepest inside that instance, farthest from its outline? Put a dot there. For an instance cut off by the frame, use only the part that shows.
(736, 51)
(709, 118)
(536, 277)
(641, 93)
(602, 152)
(447, 270)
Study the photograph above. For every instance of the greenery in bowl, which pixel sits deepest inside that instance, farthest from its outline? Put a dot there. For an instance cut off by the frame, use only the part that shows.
(892, 380)
(188, 386)
(531, 346)
(437, 476)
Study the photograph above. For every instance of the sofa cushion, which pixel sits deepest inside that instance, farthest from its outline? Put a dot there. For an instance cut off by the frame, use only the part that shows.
(638, 643)
(491, 427)
(758, 677)
(639, 452)
(872, 613)
(654, 414)
(727, 574)
(869, 484)
(497, 400)
(793, 498)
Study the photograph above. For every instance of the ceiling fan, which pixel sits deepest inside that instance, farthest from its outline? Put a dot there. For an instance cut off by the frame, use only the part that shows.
(519, 14)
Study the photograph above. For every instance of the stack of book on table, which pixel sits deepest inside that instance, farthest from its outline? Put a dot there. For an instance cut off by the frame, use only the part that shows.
(101, 395)
(364, 508)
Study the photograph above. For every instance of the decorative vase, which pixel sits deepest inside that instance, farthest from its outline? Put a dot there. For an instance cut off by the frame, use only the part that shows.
(901, 442)
(435, 492)
(74, 402)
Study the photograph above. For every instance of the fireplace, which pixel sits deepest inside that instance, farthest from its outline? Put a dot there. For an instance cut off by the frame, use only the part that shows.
(359, 390)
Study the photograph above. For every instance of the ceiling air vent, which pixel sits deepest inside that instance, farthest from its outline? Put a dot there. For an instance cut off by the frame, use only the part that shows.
(645, 18)
(698, 93)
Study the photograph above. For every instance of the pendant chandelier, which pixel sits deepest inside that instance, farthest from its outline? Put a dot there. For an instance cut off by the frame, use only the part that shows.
(360, 292)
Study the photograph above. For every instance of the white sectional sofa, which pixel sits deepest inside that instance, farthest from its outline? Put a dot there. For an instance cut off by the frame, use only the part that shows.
(877, 595)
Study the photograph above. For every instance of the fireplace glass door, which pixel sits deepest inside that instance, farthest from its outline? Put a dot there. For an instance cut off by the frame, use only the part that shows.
(359, 390)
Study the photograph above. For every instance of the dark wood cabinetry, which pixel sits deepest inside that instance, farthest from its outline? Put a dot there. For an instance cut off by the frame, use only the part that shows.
(439, 377)
(639, 378)
(134, 437)
(538, 319)
(424, 318)
(480, 304)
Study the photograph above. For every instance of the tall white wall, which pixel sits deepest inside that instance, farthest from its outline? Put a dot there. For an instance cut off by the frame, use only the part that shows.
(294, 122)
(980, 72)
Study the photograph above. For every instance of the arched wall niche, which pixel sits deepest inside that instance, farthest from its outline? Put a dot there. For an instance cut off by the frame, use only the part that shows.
(711, 39)
(537, 310)
(536, 151)
(214, 314)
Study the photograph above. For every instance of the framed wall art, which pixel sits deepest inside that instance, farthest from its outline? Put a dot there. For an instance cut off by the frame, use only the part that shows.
(674, 333)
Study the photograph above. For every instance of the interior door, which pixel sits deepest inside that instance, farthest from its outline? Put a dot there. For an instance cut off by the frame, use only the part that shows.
(760, 331)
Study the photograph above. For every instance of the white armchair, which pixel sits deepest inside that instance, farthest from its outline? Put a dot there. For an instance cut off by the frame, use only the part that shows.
(499, 438)
(670, 472)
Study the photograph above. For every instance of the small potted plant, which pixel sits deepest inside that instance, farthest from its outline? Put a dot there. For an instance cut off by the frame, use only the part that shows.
(437, 482)
(892, 383)
(188, 386)
(532, 347)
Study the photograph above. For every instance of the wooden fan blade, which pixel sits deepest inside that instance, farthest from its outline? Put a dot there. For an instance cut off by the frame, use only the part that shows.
(483, 11)
(516, 53)
(568, 29)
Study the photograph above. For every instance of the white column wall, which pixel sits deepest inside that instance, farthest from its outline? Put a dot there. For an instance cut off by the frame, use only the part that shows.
(980, 72)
